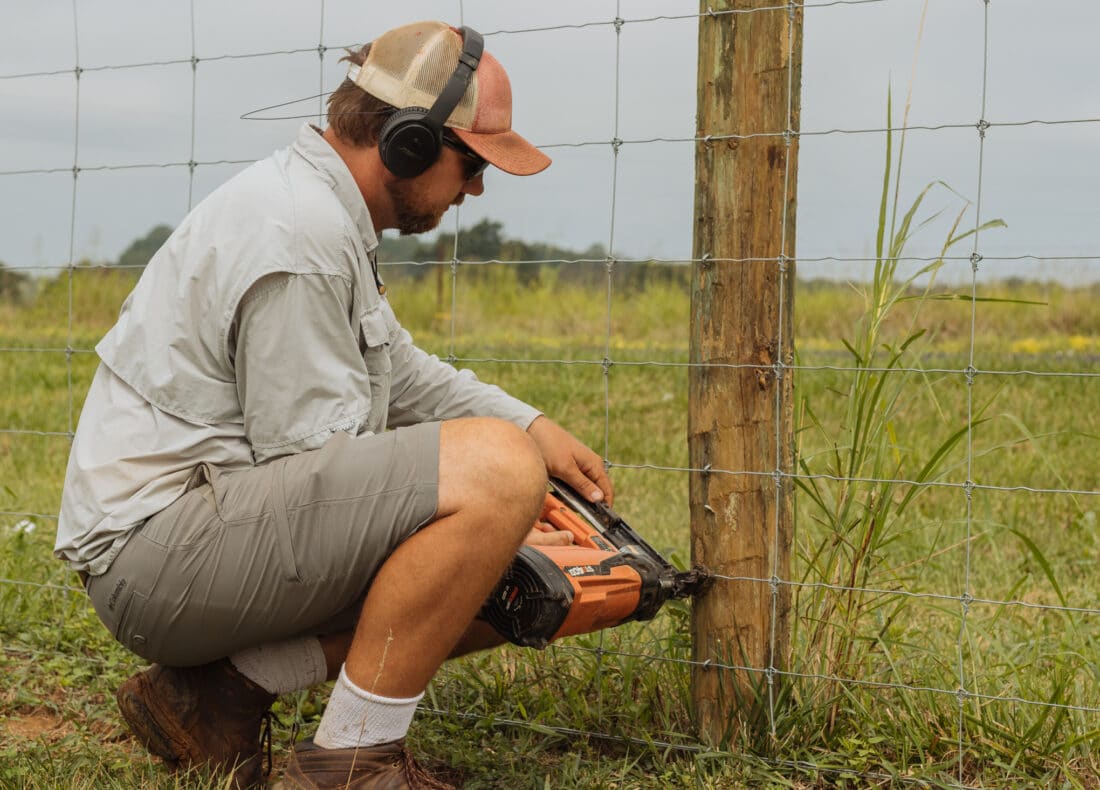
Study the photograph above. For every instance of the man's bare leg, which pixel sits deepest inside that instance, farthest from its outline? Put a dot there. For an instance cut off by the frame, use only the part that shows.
(492, 482)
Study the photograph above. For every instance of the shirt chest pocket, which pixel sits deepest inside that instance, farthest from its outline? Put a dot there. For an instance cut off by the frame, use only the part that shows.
(374, 343)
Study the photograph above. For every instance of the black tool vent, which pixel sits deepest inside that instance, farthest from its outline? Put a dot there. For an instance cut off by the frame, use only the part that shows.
(531, 601)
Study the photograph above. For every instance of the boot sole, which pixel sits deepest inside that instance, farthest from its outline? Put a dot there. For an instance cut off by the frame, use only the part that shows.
(143, 722)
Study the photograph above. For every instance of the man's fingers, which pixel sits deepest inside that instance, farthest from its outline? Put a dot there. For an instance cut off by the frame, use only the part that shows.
(570, 460)
(580, 483)
(595, 479)
(538, 537)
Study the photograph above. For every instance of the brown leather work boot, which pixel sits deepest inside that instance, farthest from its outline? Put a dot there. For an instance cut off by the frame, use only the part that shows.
(206, 715)
(388, 766)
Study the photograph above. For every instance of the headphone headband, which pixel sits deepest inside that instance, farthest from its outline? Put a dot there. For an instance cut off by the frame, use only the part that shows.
(472, 47)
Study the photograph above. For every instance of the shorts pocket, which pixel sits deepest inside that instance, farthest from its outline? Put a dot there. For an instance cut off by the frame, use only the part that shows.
(283, 540)
(190, 521)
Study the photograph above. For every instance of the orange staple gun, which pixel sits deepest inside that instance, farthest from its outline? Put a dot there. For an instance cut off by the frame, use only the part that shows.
(608, 576)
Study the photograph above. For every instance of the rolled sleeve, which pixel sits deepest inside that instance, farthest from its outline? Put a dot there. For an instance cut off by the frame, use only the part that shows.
(301, 376)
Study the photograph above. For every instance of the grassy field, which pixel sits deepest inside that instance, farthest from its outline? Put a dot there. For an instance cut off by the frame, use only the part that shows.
(871, 695)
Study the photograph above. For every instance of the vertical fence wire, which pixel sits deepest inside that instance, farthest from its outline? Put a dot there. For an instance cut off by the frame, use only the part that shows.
(967, 694)
(616, 144)
(321, 49)
(72, 224)
(194, 99)
(451, 356)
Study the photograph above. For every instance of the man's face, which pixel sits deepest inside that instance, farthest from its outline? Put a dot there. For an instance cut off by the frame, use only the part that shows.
(419, 203)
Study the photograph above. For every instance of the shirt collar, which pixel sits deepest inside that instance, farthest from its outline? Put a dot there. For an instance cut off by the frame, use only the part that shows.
(315, 149)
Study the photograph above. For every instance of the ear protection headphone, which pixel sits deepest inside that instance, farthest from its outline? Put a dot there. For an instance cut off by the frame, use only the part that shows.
(412, 138)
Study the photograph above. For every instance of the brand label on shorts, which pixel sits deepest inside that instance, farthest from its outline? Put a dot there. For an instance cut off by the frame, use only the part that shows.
(120, 585)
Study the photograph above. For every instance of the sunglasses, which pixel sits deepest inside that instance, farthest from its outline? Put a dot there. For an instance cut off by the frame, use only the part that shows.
(473, 164)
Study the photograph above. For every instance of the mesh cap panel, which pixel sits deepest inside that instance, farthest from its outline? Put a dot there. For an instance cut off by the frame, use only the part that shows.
(409, 67)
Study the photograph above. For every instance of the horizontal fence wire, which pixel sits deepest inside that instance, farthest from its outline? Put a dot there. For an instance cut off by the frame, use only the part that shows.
(612, 143)
(100, 266)
(965, 601)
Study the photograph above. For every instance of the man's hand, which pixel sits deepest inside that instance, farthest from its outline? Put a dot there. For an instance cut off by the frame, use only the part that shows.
(543, 534)
(567, 458)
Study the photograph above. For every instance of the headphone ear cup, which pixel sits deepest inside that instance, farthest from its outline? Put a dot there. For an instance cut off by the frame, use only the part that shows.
(408, 144)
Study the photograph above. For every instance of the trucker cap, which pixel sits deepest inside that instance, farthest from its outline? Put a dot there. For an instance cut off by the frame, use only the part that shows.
(409, 66)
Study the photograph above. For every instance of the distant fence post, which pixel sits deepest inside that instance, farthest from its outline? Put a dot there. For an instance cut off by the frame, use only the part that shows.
(750, 69)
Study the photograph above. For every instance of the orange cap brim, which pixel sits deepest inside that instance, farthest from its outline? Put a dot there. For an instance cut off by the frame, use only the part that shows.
(506, 150)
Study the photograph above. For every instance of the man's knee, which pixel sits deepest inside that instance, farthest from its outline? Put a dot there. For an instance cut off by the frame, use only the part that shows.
(485, 461)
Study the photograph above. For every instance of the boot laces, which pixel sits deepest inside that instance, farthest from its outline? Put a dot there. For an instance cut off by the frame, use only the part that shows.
(265, 742)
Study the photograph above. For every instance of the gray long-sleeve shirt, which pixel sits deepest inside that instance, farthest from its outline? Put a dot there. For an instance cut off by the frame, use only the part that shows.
(256, 331)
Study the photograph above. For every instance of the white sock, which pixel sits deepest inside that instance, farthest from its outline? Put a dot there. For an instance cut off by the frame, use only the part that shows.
(282, 667)
(354, 717)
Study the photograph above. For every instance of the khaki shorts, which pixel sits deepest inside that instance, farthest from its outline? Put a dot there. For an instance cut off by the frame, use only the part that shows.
(253, 556)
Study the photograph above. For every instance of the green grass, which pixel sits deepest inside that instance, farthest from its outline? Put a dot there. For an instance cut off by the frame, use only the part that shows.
(516, 718)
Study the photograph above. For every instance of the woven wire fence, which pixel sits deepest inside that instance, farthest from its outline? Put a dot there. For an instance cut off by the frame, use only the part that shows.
(973, 702)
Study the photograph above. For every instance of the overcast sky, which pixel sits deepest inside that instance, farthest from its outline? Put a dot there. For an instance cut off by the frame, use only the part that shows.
(1040, 178)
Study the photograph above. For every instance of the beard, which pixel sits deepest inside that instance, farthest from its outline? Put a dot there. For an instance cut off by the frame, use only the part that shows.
(412, 215)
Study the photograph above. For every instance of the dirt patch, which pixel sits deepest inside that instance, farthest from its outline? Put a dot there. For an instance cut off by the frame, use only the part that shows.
(36, 725)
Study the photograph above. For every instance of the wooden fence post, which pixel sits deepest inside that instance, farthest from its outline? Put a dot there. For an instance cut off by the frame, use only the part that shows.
(750, 69)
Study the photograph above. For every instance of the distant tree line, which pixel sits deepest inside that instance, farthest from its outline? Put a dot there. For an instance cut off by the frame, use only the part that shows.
(405, 258)
(530, 261)
(410, 258)
(15, 286)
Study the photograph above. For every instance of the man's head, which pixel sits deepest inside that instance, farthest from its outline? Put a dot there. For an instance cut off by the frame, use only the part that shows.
(427, 74)
(409, 78)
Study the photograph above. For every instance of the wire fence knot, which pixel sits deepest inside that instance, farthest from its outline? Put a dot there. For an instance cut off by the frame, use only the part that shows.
(966, 599)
